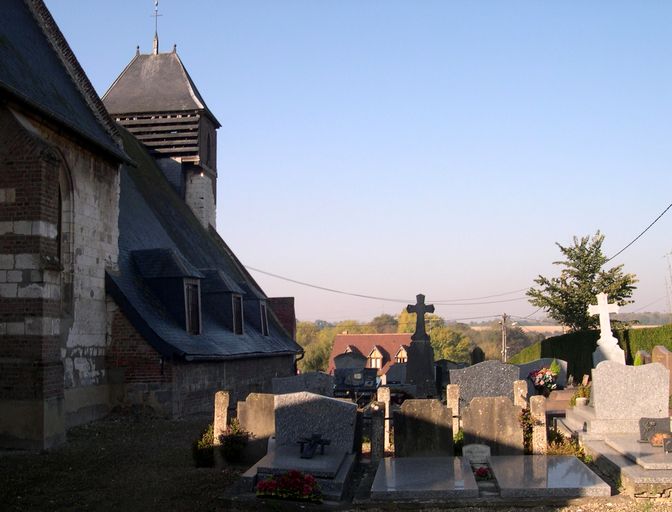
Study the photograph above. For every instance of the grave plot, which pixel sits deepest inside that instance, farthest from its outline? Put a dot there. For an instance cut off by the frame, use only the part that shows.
(424, 478)
(314, 435)
(623, 424)
(545, 476)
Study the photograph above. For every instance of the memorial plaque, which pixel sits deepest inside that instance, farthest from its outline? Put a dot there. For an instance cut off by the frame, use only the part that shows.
(650, 426)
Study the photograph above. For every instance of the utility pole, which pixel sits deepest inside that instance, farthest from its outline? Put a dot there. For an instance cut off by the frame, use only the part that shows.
(504, 347)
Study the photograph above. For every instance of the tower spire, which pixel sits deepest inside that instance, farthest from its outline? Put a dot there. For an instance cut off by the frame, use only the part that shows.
(155, 45)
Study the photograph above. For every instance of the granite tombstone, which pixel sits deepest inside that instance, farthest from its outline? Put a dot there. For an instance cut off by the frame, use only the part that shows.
(489, 378)
(493, 421)
(423, 428)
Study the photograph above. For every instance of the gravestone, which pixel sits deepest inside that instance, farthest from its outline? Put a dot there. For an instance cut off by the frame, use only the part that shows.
(476, 453)
(477, 355)
(527, 368)
(420, 363)
(256, 414)
(304, 415)
(493, 421)
(607, 345)
(349, 360)
(354, 383)
(621, 391)
(620, 396)
(644, 357)
(396, 374)
(423, 428)
(663, 356)
(314, 382)
(489, 378)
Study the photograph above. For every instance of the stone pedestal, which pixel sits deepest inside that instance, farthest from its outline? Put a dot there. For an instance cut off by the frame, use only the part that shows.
(453, 402)
(385, 397)
(420, 368)
(377, 432)
(221, 421)
(538, 414)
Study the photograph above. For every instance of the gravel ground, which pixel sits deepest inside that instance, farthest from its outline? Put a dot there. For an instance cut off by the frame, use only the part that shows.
(128, 463)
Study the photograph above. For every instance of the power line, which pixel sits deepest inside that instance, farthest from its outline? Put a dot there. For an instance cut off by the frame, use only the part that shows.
(640, 235)
(447, 302)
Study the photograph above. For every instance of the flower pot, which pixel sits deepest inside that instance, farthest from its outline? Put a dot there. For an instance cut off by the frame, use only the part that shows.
(581, 401)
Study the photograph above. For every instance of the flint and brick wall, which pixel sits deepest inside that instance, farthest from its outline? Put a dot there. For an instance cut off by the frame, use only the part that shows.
(52, 303)
(178, 388)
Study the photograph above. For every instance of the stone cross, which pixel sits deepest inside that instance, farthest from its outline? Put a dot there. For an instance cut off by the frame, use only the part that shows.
(420, 309)
(607, 346)
(603, 309)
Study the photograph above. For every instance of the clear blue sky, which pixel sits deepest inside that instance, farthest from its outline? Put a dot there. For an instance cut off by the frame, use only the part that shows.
(390, 148)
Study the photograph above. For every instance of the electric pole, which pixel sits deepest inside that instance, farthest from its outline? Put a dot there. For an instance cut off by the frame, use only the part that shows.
(504, 347)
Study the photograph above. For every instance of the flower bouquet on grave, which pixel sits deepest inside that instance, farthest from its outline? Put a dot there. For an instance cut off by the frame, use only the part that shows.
(483, 473)
(292, 485)
(544, 380)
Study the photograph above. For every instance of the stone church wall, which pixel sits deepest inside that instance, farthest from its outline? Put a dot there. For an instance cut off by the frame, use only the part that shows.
(52, 300)
(199, 195)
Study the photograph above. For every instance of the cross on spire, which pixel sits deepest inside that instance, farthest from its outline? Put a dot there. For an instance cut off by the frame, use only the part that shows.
(155, 46)
(603, 308)
(420, 309)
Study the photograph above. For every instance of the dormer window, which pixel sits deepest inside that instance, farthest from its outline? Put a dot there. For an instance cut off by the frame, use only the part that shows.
(192, 302)
(401, 356)
(237, 314)
(264, 319)
(375, 359)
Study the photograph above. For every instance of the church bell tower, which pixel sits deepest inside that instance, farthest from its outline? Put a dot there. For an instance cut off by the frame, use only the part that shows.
(156, 100)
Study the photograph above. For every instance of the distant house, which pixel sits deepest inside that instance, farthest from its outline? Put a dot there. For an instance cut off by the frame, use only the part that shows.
(380, 351)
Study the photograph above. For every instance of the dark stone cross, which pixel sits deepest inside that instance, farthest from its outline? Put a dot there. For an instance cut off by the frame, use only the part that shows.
(420, 309)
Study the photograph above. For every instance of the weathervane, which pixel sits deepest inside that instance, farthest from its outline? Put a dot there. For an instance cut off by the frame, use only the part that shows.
(155, 47)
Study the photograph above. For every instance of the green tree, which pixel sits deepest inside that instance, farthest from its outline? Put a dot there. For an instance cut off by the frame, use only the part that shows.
(450, 344)
(384, 323)
(566, 298)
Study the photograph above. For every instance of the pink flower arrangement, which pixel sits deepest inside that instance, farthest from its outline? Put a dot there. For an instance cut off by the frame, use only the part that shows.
(543, 378)
(292, 485)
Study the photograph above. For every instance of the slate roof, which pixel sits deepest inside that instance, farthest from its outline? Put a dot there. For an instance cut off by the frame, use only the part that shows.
(154, 83)
(38, 68)
(163, 263)
(388, 344)
(152, 216)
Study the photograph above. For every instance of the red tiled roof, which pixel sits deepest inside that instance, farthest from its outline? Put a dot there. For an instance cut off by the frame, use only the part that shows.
(388, 345)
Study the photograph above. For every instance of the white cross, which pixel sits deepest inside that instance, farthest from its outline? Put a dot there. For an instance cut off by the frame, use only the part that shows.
(603, 309)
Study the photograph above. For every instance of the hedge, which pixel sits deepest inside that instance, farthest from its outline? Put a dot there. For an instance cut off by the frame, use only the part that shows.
(577, 347)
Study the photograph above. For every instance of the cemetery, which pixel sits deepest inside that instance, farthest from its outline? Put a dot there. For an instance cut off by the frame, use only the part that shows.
(492, 435)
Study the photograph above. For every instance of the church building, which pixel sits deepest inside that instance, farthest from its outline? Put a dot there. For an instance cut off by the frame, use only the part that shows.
(115, 288)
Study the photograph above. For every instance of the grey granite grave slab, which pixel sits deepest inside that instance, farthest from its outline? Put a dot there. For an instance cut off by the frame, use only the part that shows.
(545, 362)
(645, 455)
(285, 458)
(423, 428)
(303, 414)
(630, 392)
(489, 378)
(634, 479)
(493, 421)
(420, 478)
(314, 382)
(539, 476)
